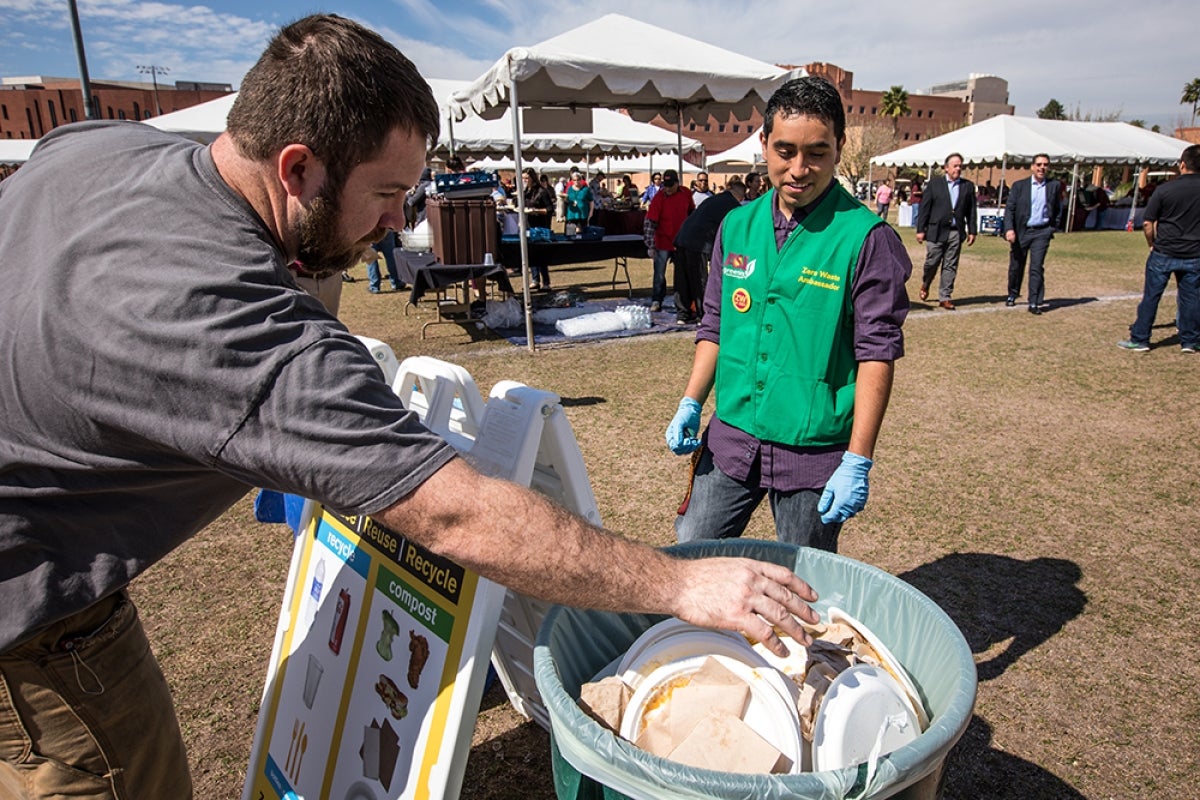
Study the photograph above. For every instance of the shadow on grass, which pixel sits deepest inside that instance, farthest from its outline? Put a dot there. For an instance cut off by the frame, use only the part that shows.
(975, 769)
(514, 765)
(996, 599)
(568, 402)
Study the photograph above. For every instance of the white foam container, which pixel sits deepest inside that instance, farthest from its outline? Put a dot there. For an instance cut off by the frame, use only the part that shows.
(674, 640)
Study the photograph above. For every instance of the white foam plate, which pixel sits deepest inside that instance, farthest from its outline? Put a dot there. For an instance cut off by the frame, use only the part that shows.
(894, 666)
(771, 712)
(673, 640)
(863, 705)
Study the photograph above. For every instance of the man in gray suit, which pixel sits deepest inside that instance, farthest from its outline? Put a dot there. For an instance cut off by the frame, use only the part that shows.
(947, 213)
(1034, 207)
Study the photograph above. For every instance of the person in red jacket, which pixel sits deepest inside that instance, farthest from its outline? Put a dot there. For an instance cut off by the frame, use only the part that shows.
(669, 208)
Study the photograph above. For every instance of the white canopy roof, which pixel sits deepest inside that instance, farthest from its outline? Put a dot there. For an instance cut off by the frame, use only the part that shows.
(620, 62)
(16, 151)
(747, 152)
(1019, 139)
(202, 122)
(618, 166)
(611, 132)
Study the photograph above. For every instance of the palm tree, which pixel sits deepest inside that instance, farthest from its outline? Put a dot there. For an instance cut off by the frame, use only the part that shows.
(894, 104)
(1191, 94)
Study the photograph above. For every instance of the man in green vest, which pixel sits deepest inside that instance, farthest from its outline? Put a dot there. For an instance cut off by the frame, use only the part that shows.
(803, 315)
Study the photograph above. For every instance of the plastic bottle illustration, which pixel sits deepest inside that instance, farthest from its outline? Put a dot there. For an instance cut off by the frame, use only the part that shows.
(314, 592)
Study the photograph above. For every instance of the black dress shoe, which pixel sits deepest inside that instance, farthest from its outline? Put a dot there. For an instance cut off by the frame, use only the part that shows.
(1010, 302)
(1035, 310)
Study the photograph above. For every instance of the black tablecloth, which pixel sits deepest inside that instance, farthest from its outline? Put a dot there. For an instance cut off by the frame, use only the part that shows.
(423, 272)
(618, 223)
(573, 251)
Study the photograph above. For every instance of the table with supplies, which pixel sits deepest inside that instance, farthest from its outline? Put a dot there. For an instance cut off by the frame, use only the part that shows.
(424, 273)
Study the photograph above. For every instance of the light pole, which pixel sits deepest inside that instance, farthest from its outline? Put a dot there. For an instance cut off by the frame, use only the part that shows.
(154, 72)
(85, 85)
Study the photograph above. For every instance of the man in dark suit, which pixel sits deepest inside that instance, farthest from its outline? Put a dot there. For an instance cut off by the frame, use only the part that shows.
(947, 212)
(1034, 207)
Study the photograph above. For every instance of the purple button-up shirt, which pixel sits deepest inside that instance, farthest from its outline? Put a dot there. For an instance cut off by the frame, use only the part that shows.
(880, 304)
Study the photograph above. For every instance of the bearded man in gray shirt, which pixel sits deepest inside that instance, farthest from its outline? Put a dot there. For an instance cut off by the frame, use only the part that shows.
(160, 361)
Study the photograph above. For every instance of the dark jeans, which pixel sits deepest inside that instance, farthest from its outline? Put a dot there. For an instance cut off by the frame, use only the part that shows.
(1159, 269)
(1032, 247)
(386, 246)
(691, 278)
(720, 507)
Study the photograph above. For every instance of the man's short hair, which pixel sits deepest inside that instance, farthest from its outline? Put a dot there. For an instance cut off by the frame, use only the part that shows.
(1191, 158)
(807, 97)
(1040, 155)
(946, 163)
(334, 86)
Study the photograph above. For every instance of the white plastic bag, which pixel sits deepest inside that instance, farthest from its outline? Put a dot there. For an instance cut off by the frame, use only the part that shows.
(590, 324)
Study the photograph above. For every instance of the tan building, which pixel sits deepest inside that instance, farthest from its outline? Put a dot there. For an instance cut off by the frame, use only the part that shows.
(31, 106)
(986, 96)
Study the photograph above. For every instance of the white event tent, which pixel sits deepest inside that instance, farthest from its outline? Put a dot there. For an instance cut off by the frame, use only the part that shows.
(747, 152)
(669, 160)
(202, 122)
(16, 151)
(610, 130)
(1007, 139)
(604, 131)
(618, 62)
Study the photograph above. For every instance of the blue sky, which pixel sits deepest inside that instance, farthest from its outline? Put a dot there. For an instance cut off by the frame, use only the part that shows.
(1097, 56)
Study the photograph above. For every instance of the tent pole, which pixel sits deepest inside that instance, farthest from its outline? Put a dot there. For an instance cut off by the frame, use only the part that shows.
(1071, 202)
(1001, 197)
(522, 222)
(1133, 205)
(679, 138)
(450, 124)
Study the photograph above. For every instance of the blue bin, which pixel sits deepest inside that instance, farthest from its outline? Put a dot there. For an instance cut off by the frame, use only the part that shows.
(591, 763)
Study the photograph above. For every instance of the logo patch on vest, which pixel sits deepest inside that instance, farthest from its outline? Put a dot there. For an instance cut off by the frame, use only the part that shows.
(738, 266)
(740, 300)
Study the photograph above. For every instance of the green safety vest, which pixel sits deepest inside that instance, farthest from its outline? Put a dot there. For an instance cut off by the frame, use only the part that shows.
(786, 369)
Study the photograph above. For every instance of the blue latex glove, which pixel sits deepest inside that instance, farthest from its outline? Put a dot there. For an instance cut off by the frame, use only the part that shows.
(684, 431)
(846, 493)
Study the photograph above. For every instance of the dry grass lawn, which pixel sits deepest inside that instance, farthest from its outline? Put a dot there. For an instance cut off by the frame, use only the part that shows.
(1034, 480)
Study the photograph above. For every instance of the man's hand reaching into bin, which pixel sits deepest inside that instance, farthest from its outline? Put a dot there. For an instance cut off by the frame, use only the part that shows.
(752, 597)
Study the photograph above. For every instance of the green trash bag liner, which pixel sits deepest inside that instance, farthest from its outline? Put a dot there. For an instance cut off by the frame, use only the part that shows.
(574, 645)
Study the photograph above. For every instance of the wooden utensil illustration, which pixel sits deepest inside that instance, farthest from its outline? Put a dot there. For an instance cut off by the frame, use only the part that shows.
(287, 765)
(300, 758)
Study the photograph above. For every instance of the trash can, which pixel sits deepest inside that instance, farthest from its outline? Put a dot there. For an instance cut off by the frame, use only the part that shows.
(591, 763)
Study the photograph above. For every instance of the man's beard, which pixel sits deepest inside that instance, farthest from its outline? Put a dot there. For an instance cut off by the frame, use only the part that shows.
(320, 246)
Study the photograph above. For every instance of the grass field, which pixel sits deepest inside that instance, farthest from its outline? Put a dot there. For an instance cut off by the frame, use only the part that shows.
(1038, 483)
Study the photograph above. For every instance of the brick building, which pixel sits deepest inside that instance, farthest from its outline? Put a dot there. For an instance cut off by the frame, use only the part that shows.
(941, 109)
(32, 106)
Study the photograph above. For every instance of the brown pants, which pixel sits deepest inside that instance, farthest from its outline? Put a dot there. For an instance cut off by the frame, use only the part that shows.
(85, 712)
